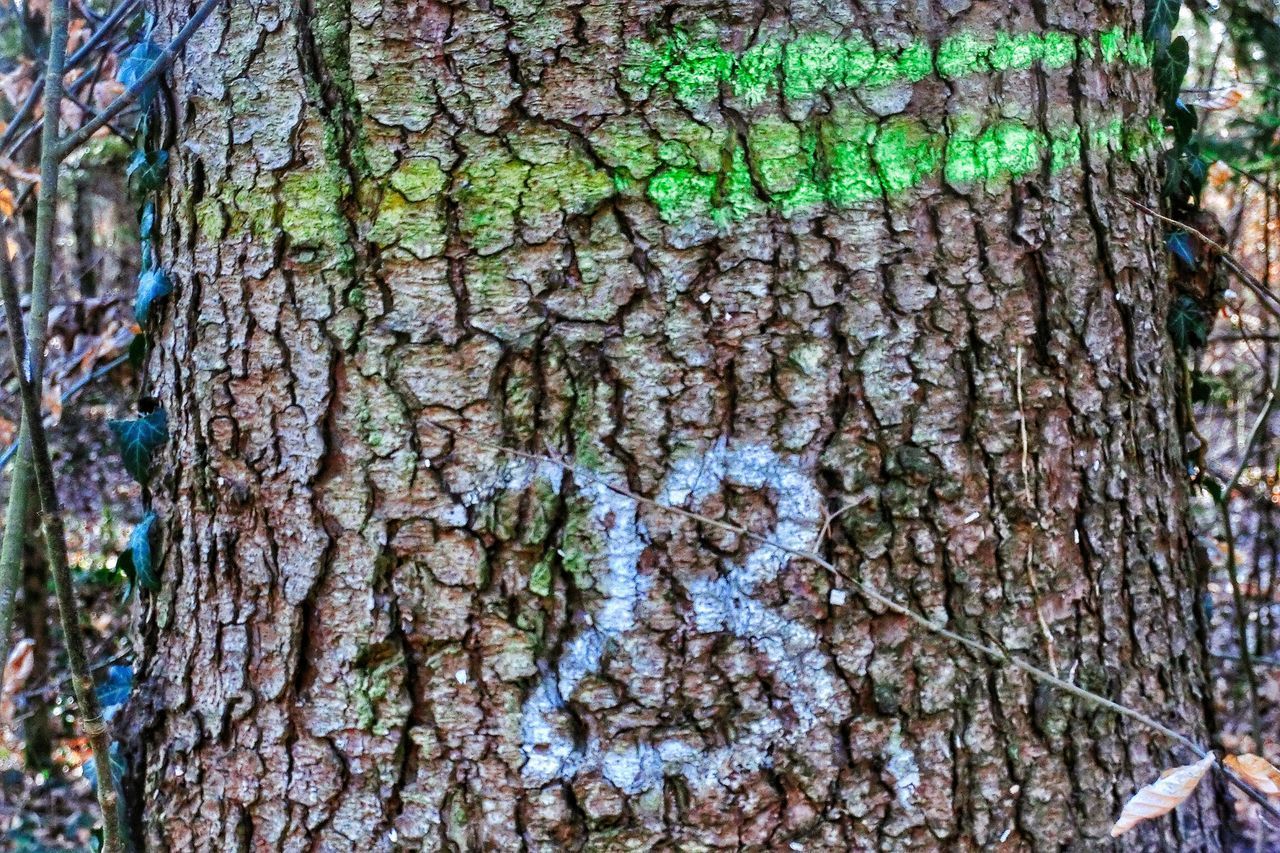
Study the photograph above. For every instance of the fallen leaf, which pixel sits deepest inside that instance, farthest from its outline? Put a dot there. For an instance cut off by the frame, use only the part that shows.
(1162, 796)
(1219, 175)
(1255, 770)
(1226, 100)
(18, 668)
(53, 402)
(13, 170)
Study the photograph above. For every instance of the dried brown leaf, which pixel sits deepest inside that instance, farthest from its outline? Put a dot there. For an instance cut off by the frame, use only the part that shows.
(18, 668)
(1162, 796)
(1255, 770)
(1225, 99)
(52, 399)
(16, 85)
(13, 170)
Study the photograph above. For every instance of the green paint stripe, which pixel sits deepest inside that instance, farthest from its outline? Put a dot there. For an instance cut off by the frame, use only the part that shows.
(845, 163)
(694, 69)
(836, 161)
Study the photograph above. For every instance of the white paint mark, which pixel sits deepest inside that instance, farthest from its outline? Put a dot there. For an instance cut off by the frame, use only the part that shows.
(838, 597)
(633, 769)
(725, 603)
(461, 676)
(904, 769)
(513, 476)
(543, 726)
(704, 298)
(549, 747)
(972, 517)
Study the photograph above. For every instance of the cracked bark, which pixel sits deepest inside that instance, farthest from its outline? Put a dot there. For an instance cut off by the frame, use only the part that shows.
(371, 635)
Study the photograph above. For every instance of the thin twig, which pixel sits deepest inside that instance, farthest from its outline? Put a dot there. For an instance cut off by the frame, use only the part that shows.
(1035, 600)
(1022, 430)
(870, 592)
(100, 32)
(11, 548)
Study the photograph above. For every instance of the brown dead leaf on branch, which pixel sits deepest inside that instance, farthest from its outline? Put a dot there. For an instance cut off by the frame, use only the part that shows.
(1255, 770)
(1162, 796)
(13, 170)
(16, 85)
(16, 672)
(1222, 99)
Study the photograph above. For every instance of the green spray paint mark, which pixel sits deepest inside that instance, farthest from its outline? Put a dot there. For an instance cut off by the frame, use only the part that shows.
(694, 70)
(839, 161)
(851, 159)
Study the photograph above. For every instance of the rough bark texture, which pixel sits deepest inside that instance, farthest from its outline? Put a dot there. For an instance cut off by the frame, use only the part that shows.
(761, 259)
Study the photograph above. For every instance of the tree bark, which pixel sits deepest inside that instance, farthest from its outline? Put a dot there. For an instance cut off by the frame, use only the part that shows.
(803, 266)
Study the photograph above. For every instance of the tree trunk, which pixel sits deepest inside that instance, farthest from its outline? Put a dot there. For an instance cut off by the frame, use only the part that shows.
(863, 278)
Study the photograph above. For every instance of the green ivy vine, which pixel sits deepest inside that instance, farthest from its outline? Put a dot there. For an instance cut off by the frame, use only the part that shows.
(140, 438)
(1197, 288)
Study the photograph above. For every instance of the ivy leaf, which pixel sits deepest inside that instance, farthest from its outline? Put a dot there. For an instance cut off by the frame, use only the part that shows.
(1182, 119)
(146, 171)
(152, 285)
(124, 563)
(1179, 243)
(1158, 20)
(115, 761)
(138, 439)
(135, 66)
(1187, 323)
(1170, 67)
(1172, 186)
(1196, 172)
(140, 553)
(1212, 486)
(115, 691)
(147, 221)
(138, 62)
(138, 351)
(1185, 173)
(1210, 389)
